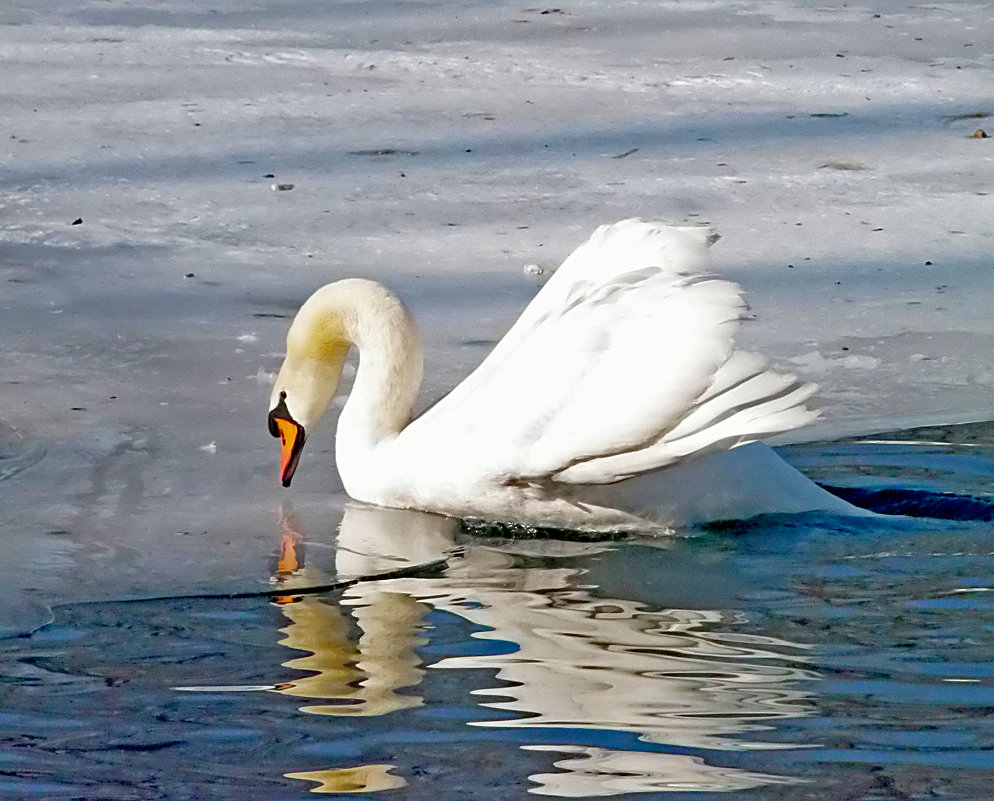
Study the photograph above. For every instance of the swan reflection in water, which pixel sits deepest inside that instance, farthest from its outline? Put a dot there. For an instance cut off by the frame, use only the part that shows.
(676, 677)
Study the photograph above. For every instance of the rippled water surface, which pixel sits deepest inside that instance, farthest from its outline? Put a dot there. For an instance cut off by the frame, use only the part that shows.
(798, 657)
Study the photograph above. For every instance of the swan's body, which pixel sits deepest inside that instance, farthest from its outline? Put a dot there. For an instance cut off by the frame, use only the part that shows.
(616, 401)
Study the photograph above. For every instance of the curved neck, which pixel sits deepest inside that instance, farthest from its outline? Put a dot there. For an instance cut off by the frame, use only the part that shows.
(388, 378)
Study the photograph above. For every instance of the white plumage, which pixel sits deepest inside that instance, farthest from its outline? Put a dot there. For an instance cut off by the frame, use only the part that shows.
(613, 402)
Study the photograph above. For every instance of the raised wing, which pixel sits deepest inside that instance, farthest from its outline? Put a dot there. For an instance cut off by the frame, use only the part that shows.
(622, 363)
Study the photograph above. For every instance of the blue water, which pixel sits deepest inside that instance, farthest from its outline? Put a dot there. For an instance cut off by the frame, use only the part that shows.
(805, 657)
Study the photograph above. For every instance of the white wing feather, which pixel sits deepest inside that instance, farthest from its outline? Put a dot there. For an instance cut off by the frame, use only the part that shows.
(623, 362)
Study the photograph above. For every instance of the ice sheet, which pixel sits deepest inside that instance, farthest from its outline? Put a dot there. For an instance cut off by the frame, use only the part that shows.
(441, 147)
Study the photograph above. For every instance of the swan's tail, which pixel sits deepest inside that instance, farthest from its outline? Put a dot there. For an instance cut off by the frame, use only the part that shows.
(747, 401)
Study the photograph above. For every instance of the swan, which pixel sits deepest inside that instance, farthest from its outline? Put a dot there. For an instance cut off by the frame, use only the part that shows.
(617, 401)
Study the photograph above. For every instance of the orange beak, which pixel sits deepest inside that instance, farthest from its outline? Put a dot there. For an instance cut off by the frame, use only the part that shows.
(291, 435)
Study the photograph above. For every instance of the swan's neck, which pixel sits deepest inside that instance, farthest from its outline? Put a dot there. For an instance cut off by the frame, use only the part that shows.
(388, 378)
(336, 317)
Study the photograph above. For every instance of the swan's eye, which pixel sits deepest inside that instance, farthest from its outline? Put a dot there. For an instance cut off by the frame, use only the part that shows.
(279, 412)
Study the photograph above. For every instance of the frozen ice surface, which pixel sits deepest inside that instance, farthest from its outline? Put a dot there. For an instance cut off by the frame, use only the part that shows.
(440, 146)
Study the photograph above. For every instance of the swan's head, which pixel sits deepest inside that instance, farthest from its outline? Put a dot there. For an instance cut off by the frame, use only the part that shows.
(316, 347)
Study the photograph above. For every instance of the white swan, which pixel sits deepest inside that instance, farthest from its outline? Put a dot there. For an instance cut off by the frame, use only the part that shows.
(616, 401)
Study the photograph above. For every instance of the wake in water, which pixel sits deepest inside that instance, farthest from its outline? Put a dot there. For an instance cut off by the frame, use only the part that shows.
(917, 503)
(941, 472)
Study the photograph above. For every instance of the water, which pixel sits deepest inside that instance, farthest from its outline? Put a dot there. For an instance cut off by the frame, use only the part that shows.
(804, 657)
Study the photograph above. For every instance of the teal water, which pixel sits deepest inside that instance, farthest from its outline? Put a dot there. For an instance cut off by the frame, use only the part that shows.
(804, 657)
